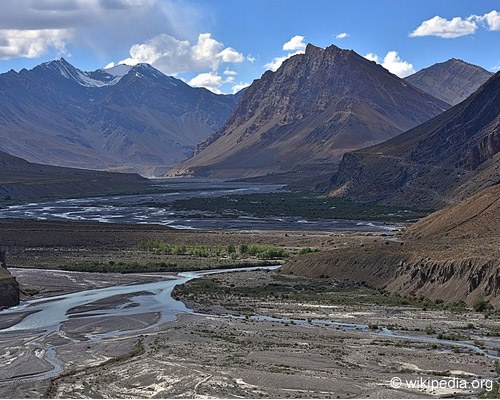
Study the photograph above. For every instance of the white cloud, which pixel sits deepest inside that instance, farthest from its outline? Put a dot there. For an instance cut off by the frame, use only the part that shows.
(231, 55)
(295, 43)
(32, 43)
(496, 67)
(239, 86)
(342, 35)
(444, 28)
(206, 48)
(208, 80)
(276, 62)
(251, 58)
(372, 57)
(229, 79)
(229, 72)
(172, 56)
(393, 63)
(109, 65)
(491, 19)
(101, 26)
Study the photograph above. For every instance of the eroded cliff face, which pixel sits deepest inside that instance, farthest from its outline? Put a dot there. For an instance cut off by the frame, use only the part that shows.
(9, 288)
(396, 270)
(452, 255)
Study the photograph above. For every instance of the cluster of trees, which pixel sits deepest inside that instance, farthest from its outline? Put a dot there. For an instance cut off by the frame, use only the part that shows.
(231, 250)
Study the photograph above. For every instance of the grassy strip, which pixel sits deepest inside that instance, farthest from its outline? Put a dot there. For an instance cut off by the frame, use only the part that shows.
(307, 290)
(130, 268)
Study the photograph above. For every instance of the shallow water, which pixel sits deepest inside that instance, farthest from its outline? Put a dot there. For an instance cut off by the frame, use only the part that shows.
(52, 312)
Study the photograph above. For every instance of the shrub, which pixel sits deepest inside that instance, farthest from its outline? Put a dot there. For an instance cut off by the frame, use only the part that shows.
(481, 305)
(243, 249)
(307, 250)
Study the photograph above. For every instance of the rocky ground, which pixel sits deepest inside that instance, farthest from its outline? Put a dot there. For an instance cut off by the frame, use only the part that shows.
(229, 350)
(253, 334)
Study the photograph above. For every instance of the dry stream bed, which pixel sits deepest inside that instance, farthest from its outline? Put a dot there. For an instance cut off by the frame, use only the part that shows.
(251, 334)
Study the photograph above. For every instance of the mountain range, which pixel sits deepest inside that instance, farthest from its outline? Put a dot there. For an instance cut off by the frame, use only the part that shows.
(313, 109)
(451, 81)
(444, 160)
(123, 118)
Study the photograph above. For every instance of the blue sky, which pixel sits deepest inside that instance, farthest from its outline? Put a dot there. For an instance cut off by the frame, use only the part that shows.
(224, 45)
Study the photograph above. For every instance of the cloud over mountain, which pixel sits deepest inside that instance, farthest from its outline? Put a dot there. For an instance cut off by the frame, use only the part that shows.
(172, 56)
(393, 63)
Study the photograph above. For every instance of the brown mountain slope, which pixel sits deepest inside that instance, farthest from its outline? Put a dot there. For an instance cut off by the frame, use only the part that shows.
(20, 179)
(451, 81)
(439, 162)
(452, 255)
(314, 108)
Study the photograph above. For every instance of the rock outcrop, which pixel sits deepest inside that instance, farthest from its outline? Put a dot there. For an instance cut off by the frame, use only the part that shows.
(9, 288)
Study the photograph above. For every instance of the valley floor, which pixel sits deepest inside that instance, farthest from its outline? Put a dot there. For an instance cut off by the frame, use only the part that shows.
(81, 245)
(258, 334)
(250, 334)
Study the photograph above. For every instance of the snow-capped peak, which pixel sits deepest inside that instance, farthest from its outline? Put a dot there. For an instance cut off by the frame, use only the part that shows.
(104, 76)
(118, 70)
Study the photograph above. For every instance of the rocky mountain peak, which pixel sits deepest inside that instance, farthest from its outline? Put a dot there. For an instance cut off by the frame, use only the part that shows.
(451, 81)
(128, 117)
(315, 107)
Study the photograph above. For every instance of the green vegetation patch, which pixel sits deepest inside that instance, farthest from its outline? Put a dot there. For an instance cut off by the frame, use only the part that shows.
(303, 290)
(135, 267)
(242, 251)
(304, 204)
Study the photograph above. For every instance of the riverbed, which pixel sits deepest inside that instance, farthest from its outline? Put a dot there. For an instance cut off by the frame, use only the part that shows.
(159, 209)
(271, 347)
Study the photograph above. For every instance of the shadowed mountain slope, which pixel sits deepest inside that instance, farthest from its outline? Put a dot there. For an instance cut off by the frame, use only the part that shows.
(446, 159)
(20, 179)
(127, 118)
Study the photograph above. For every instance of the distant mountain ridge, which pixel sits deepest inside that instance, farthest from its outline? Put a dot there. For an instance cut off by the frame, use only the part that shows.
(446, 159)
(125, 118)
(22, 180)
(451, 81)
(314, 108)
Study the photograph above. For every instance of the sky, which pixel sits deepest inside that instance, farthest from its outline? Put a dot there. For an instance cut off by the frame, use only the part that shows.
(224, 45)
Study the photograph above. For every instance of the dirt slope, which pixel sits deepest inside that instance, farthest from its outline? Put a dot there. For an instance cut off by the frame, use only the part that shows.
(452, 255)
